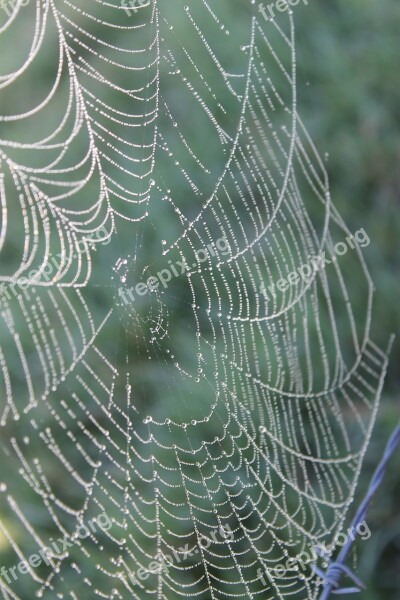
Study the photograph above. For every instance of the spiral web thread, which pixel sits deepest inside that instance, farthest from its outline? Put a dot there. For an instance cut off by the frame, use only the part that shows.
(266, 421)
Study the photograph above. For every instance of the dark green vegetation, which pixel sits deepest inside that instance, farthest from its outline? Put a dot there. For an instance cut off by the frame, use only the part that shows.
(348, 51)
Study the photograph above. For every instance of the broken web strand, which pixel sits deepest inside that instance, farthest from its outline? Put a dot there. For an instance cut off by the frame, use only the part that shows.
(337, 568)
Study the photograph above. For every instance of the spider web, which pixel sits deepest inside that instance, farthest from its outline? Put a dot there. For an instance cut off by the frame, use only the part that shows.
(160, 133)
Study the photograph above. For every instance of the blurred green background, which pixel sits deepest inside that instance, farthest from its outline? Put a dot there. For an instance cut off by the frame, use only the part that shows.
(348, 52)
(349, 99)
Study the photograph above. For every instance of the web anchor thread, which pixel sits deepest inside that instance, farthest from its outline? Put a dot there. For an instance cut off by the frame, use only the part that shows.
(336, 569)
